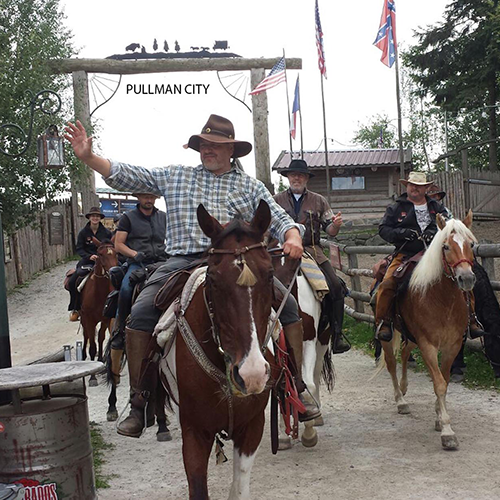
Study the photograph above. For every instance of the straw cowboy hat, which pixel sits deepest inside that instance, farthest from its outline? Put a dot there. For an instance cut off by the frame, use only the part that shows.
(299, 166)
(418, 178)
(219, 130)
(94, 211)
(435, 190)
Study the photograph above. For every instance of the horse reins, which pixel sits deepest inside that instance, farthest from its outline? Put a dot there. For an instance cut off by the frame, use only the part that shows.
(452, 267)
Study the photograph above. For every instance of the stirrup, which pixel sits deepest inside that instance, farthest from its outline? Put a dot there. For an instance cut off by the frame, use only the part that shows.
(476, 333)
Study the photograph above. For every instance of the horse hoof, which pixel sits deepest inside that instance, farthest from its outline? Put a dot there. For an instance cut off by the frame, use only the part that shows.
(93, 382)
(163, 436)
(111, 416)
(457, 377)
(309, 441)
(437, 426)
(284, 443)
(403, 409)
(319, 422)
(449, 442)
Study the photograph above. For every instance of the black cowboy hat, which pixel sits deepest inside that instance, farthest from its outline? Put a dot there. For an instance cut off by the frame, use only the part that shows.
(94, 211)
(299, 166)
(435, 190)
(221, 131)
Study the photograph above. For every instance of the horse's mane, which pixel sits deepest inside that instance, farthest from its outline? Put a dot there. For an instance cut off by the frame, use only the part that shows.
(430, 268)
(240, 229)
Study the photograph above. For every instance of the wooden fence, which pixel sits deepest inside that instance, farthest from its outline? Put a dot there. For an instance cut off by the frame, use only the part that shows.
(487, 253)
(48, 240)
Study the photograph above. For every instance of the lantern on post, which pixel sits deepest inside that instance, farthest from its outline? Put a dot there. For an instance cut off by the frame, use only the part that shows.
(50, 149)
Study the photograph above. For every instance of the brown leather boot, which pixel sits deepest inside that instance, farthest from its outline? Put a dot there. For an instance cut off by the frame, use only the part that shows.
(116, 362)
(138, 343)
(294, 334)
(384, 309)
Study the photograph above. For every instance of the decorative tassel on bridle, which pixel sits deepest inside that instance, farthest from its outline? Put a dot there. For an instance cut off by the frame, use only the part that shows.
(246, 277)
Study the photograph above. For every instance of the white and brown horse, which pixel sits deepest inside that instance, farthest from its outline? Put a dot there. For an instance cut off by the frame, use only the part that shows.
(435, 313)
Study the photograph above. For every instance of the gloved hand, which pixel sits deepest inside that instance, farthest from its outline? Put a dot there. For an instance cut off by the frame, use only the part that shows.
(139, 257)
(410, 234)
(427, 237)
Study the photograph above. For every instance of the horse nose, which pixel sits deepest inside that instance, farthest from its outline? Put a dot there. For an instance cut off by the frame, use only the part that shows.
(466, 281)
(252, 376)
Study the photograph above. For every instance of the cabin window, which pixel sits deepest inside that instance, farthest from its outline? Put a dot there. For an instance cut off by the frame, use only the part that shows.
(348, 183)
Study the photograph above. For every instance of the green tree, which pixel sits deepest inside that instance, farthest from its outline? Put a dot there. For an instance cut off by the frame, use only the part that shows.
(457, 63)
(31, 31)
(378, 132)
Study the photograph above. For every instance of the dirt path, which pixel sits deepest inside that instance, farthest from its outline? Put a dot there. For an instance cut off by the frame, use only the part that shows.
(366, 450)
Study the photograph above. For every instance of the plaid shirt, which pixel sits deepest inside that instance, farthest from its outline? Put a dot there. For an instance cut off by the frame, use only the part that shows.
(184, 188)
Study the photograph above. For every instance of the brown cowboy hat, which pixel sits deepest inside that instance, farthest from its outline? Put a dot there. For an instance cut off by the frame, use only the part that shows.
(221, 131)
(139, 193)
(435, 190)
(94, 211)
(418, 178)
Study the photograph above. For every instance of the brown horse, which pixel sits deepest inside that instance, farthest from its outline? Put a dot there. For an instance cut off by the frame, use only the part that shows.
(94, 295)
(222, 368)
(435, 312)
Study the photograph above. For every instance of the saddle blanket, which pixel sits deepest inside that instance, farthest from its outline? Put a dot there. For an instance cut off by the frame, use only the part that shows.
(82, 284)
(314, 276)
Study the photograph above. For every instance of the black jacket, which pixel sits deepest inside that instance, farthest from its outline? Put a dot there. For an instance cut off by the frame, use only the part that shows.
(84, 245)
(145, 234)
(400, 216)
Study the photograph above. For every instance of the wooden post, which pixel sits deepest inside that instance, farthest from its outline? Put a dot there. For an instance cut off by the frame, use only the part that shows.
(86, 184)
(261, 131)
(489, 266)
(355, 281)
(465, 170)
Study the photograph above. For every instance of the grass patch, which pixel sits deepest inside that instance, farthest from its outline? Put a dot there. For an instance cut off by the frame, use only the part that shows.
(479, 374)
(99, 446)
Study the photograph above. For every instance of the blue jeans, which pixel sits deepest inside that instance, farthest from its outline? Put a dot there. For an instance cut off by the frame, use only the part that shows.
(125, 297)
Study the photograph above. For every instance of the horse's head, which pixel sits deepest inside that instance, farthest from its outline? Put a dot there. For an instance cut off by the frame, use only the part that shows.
(450, 253)
(239, 289)
(107, 254)
(457, 244)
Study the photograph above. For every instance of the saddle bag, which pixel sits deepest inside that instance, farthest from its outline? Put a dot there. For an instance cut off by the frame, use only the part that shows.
(407, 266)
(111, 304)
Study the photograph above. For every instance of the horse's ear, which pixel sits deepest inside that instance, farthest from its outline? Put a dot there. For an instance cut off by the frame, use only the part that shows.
(210, 226)
(440, 221)
(95, 241)
(468, 219)
(262, 217)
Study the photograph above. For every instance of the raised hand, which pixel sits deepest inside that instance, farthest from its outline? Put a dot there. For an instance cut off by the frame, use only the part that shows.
(77, 136)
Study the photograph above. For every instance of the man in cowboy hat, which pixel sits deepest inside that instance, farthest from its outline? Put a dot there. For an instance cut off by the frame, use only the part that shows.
(313, 211)
(226, 191)
(87, 250)
(409, 224)
(140, 238)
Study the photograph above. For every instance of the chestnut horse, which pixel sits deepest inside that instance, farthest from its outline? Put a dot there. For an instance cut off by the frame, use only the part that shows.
(435, 313)
(220, 362)
(94, 295)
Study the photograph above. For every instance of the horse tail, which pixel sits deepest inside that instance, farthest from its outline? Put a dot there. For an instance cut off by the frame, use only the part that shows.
(328, 370)
(381, 363)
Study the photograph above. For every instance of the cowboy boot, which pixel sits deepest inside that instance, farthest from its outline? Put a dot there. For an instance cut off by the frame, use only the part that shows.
(294, 335)
(384, 310)
(337, 319)
(137, 343)
(476, 329)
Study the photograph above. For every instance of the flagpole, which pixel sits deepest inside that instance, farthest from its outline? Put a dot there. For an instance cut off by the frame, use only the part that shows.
(288, 109)
(326, 147)
(400, 125)
(300, 118)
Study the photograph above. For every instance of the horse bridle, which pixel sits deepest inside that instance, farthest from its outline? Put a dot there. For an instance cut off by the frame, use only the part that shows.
(105, 273)
(452, 267)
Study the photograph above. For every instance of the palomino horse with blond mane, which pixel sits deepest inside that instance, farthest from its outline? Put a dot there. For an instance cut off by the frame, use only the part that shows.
(434, 314)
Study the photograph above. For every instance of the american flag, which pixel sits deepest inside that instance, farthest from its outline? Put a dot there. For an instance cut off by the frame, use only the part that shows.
(319, 42)
(386, 36)
(295, 109)
(275, 77)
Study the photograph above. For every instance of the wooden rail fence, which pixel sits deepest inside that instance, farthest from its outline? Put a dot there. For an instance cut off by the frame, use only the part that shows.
(487, 253)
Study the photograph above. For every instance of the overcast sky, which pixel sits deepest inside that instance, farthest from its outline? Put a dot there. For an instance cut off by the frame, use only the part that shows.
(150, 129)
